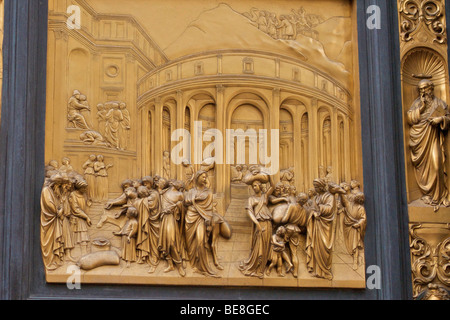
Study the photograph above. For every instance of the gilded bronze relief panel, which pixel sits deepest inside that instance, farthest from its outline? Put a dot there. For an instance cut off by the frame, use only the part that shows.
(426, 116)
(203, 143)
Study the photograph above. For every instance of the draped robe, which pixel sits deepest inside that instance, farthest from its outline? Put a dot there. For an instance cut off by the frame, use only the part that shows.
(354, 214)
(143, 232)
(51, 229)
(154, 220)
(112, 127)
(89, 175)
(260, 252)
(200, 209)
(320, 236)
(170, 244)
(427, 150)
(78, 206)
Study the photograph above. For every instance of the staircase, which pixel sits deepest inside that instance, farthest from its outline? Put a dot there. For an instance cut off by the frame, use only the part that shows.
(236, 214)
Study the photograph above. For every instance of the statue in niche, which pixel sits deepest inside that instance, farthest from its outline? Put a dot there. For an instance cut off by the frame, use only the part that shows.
(429, 120)
(77, 105)
(203, 226)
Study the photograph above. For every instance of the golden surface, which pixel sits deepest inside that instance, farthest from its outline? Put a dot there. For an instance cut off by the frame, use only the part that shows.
(424, 60)
(135, 71)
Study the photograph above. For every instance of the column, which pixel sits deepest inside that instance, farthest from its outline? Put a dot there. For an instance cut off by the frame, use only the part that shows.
(297, 145)
(314, 141)
(274, 124)
(180, 118)
(158, 149)
(335, 159)
(222, 170)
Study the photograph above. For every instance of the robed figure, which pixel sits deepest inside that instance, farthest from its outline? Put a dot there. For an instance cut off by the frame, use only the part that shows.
(429, 119)
(259, 213)
(320, 231)
(171, 244)
(203, 226)
(52, 242)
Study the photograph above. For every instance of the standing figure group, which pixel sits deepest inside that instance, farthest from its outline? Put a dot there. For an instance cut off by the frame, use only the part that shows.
(64, 219)
(78, 111)
(280, 215)
(171, 223)
(114, 123)
(285, 26)
(323, 209)
(278, 219)
(96, 174)
(113, 118)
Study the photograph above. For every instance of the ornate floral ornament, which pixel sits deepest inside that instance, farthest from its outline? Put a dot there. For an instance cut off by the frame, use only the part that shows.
(417, 15)
(430, 264)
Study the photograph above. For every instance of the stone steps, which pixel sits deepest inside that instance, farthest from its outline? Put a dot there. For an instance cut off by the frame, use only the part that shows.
(237, 216)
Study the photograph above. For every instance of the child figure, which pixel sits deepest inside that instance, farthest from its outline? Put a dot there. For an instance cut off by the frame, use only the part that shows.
(279, 253)
(128, 234)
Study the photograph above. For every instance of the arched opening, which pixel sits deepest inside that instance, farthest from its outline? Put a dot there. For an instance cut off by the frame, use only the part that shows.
(286, 139)
(304, 151)
(166, 143)
(418, 64)
(342, 156)
(246, 122)
(324, 147)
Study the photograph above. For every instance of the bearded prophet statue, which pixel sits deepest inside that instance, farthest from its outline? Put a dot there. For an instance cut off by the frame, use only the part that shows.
(429, 120)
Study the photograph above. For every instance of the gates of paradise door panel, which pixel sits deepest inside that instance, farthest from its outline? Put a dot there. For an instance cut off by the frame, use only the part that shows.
(204, 143)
